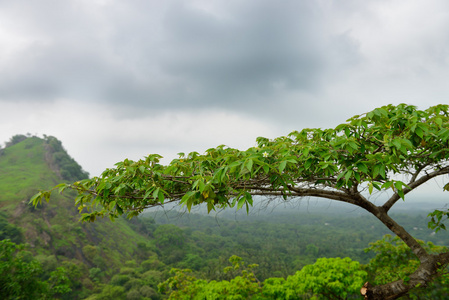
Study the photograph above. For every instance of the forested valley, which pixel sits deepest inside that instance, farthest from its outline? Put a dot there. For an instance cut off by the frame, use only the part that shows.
(293, 250)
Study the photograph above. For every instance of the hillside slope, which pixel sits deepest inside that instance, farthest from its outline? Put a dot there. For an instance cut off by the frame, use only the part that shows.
(52, 229)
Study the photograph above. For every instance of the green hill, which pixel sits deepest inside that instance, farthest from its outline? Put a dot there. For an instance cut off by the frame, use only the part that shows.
(52, 230)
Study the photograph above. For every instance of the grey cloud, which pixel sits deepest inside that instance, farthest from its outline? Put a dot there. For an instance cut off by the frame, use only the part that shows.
(148, 55)
(253, 51)
(51, 72)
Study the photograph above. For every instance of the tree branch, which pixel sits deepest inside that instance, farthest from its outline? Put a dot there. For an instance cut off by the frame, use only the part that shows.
(333, 195)
(414, 184)
(427, 270)
(408, 239)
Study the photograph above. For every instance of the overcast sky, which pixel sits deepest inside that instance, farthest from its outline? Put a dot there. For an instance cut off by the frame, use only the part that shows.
(122, 79)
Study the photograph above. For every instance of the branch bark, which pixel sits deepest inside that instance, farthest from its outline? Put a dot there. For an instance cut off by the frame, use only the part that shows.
(427, 270)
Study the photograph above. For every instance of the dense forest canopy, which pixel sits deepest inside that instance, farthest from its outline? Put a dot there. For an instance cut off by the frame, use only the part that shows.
(349, 163)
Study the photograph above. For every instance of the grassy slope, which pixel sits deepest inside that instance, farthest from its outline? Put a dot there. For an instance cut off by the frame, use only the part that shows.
(53, 228)
(23, 171)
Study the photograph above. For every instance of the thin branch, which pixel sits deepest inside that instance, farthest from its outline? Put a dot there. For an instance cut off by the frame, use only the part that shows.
(415, 175)
(395, 197)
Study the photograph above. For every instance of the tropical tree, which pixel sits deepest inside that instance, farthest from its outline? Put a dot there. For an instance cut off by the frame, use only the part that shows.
(20, 275)
(328, 278)
(15, 140)
(243, 285)
(394, 149)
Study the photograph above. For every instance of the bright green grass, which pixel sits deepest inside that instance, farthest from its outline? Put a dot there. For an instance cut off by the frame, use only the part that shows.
(23, 170)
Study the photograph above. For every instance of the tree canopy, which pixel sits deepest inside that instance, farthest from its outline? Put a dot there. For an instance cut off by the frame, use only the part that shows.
(392, 148)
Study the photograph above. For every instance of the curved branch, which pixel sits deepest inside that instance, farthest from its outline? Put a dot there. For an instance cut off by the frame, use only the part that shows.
(427, 270)
(414, 184)
(403, 234)
(333, 195)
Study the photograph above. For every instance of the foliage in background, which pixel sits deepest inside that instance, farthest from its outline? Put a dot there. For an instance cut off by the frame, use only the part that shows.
(20, 275)
(65, 165)
(9, 231)
(15, 140)
(328, 278)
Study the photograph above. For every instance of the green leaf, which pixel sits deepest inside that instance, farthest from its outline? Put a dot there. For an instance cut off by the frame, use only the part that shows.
(249, 165)
(202, 186)
(387, 184)
(305, 152)
(376, 171)
(348, 175)
(444, 134)
(362, 168)
(353, 145)
(189, 204)
(308, 163)
(187, 196)
(419, 132)
(282, 166)
(376, 186)
(397, 144)
(119, 210)
(111, 205)
(398, 185)
(149, 191)
(156, 193)
(210, 207)
(407, 143)
(61, 187)
(195, 184)
(240, 203)
(266, 169)
(161, 197)
(446, 187)
(36, 199)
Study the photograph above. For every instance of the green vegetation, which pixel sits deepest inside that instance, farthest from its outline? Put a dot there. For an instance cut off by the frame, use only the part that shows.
(283, 253)
(24, 172)
(392, 149)
(15, 140)
(55, 237)
(280, 242)
(9, 231)
(328, 278)
(61, 163)
(22, 276)
(394, 261)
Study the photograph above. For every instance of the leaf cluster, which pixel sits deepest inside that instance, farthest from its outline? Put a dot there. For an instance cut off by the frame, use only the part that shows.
(328, 278)
(366, 153)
